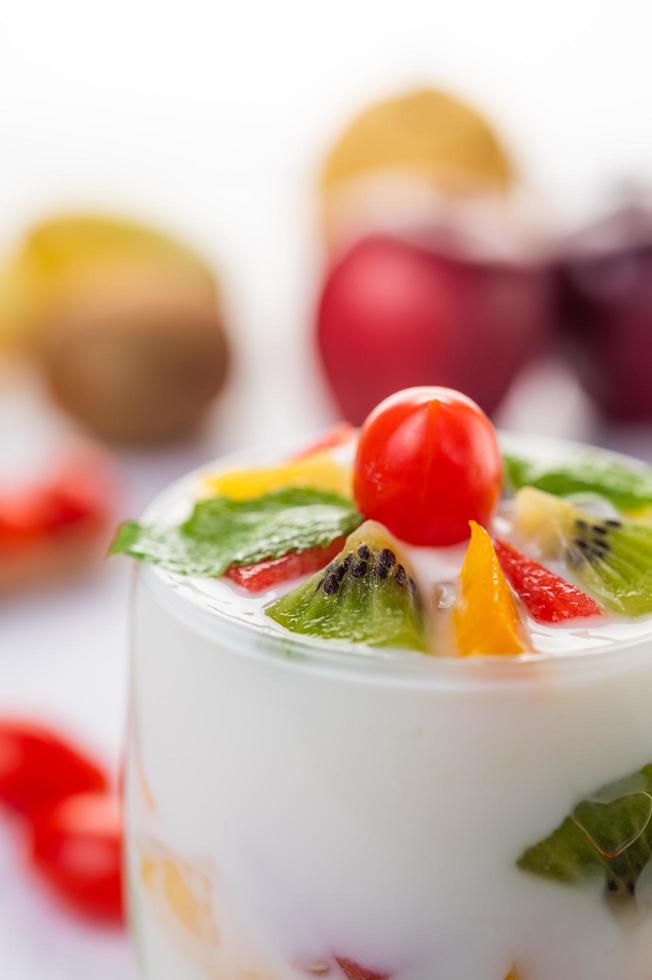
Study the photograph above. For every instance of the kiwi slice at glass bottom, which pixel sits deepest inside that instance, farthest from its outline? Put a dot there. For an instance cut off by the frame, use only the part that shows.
(611, 557)
(366, 595)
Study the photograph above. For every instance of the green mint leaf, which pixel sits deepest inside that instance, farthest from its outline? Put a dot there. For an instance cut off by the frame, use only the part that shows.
(609, 834)
(221, 532)
(587, 472)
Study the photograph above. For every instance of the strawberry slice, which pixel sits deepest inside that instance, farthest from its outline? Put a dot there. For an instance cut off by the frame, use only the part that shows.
(335, 437)
(272, 571)
(547, 597)
(353, 971)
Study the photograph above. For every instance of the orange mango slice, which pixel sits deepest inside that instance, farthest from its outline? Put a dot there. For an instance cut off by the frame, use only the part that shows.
(487, 620)
(319, 470)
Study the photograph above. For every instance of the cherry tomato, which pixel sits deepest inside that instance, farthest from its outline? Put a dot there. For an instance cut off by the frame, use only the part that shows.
(38, 767)
(76, 846)
(427, 463)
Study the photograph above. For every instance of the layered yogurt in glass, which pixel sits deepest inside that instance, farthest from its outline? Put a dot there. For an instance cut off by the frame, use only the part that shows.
(301, 807)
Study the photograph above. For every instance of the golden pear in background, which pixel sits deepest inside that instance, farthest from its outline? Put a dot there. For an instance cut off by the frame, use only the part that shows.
(125, 322)
(426, 135)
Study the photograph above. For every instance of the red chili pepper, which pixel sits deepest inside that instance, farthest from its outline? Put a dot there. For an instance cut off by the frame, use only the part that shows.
(272, 571)
(547, 597)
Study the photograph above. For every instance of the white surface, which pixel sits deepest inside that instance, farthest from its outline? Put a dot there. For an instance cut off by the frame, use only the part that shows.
(210, 117)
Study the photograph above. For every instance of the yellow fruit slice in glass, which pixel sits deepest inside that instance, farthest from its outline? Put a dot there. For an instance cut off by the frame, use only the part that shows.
(427, 132)
(320, 471)
(184, 893)
(487, 620)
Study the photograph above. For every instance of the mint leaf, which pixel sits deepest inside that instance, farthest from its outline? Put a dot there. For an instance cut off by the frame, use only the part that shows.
(609, 834)
(221, 532)
(625, 487)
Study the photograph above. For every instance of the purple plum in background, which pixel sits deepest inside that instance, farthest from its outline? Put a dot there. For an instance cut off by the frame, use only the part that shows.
(606, 311)
(395, 313)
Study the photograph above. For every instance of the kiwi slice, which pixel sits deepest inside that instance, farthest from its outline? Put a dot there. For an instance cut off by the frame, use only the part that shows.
(366, 595)
(611, 557)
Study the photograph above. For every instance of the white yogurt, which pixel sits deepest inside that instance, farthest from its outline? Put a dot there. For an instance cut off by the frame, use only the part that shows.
(291, 803)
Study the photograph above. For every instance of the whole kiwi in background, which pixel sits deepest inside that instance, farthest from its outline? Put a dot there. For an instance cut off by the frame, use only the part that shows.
(125, 322)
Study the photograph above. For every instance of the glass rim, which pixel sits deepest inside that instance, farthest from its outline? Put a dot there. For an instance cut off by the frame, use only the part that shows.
(393, 664)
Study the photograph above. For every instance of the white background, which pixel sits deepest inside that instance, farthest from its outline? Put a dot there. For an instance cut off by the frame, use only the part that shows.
(211, 118)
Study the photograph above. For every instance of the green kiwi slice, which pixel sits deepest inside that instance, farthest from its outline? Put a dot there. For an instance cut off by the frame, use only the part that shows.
(611, 557)
(366, 595)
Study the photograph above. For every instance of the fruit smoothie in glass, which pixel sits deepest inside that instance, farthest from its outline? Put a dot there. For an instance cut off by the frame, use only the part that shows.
(391, 710)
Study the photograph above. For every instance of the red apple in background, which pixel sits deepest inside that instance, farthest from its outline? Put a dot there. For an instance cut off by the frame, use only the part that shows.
(605, 313)
(396, 313)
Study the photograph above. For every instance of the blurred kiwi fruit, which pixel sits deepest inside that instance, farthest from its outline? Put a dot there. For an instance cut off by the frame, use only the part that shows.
(125, 322)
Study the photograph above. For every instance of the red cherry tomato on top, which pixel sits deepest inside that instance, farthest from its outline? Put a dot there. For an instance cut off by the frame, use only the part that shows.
(76, 845)
(38, 767)
(427, 463)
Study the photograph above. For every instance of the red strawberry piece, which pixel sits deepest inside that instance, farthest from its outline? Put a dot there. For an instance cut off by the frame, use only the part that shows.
(353, 970)
(335, 437)
(272, 571)
(547, 597)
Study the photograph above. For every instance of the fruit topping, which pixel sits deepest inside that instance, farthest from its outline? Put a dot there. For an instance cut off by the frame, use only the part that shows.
(339, 435)
(428, 463)
(222, 532)
(318, 470)
(366, 595)
(627, 488)
(353, 970)
(611, 557)
(487, 620)
(547, 597)
(609, 834)
(272, 571)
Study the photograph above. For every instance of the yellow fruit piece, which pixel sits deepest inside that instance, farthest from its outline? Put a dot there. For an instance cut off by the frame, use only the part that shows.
(544, 520)
(319, 470)
(487, 620)
(425, 131)
(185, 893)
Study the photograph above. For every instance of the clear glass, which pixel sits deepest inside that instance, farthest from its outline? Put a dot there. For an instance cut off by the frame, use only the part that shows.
(294, 809)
